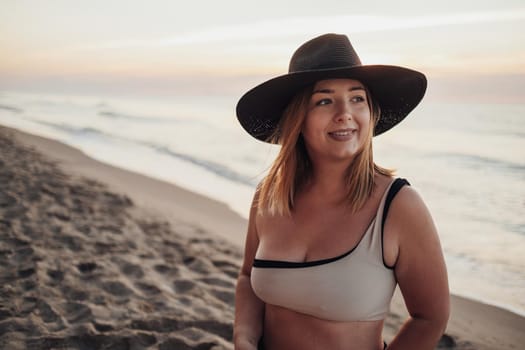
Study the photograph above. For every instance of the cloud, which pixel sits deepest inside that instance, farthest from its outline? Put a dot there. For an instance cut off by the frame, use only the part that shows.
(306, 27)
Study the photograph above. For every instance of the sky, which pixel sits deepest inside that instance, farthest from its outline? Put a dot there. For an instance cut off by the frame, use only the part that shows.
(468, 49)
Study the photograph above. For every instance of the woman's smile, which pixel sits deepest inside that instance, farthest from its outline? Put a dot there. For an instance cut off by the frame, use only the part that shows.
(343, 134)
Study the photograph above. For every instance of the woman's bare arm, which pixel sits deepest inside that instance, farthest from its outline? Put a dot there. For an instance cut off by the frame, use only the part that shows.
(420, 271)
(249, 309)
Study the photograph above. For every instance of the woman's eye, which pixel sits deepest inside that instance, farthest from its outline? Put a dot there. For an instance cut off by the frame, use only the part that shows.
(323, 102)
(358, 99)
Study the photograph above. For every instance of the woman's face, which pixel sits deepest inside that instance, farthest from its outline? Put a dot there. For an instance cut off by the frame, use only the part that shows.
(337, 122)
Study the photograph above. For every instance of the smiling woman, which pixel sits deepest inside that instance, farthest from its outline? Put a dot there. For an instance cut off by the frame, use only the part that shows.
(330, 233)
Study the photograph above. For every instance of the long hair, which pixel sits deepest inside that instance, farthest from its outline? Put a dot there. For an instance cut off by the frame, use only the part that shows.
(292, 168)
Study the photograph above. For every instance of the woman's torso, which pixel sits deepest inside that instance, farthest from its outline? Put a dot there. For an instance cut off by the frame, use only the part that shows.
(317, 231)
(286, 329)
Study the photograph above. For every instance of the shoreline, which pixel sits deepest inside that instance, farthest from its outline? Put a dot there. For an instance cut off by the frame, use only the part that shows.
(473, 324)
(223, 221)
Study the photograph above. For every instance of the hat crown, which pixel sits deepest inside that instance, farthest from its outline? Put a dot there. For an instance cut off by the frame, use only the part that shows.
(327, 51)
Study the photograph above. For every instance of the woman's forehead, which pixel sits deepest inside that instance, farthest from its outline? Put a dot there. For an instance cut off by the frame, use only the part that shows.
(343, 83)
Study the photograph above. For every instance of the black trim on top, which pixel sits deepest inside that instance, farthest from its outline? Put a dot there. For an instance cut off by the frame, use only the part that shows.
(394, 189)
(293, 264)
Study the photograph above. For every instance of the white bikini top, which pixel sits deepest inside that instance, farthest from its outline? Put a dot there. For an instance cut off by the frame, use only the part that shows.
(355, 286)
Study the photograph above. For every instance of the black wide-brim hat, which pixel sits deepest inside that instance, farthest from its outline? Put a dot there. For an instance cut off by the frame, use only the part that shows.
(397, 90)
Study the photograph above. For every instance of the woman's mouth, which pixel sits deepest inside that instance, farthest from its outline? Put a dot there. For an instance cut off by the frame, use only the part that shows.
(342, 134)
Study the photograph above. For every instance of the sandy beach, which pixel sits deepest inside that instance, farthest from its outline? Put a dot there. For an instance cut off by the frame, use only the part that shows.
(97, 257)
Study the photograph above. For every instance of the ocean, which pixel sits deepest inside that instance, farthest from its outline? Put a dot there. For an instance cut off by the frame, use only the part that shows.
(466, 160)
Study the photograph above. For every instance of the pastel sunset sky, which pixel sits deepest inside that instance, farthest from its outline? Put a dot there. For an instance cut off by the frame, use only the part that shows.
(469, 49)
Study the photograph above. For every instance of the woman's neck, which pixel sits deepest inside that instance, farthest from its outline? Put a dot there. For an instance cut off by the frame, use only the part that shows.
(329, 179)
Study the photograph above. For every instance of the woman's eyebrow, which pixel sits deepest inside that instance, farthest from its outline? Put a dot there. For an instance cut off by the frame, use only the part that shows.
(330, 91)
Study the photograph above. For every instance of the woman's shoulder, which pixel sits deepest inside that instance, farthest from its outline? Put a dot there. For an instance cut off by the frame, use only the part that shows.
(408, 201)
(408, 214)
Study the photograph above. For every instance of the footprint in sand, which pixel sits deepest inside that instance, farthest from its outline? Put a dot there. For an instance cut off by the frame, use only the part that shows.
(110, 228)
(102, 247)
(132, 270)
(7, 199)
(166, 270)
(183, 286)
(218, 282)
(57, 275)
(199, 265)
(28, 284)
(58, 212)
(5, 313)
(116, 288)
(222, 329)
(76, 312)
(102, 327)
(174, 244)
(72, 293)
(46, 312)
(74, 244)
(148, 289)
(26, 306)
(224, 295)
(87, 267)
(162, 325)
(24, 273)
(23, 253)
(30, 231)
(227, 267)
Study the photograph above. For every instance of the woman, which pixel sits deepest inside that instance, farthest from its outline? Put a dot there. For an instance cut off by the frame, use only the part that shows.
(330, 233)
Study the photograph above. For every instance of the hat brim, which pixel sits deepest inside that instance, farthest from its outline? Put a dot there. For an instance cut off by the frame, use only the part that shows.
(397, 90)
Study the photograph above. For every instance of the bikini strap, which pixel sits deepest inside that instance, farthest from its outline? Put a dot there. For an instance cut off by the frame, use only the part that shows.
(394, 189)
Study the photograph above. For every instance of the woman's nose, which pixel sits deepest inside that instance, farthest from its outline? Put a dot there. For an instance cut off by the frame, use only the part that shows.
(343, 112)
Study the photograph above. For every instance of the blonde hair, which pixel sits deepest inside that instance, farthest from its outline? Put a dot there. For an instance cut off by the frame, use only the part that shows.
(292, 168)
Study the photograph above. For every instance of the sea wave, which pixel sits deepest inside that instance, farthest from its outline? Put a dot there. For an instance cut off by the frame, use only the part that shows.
(71, 129)
(140, 119)
(11, 108)
(209, 165)
(214, 167)
(473, 161)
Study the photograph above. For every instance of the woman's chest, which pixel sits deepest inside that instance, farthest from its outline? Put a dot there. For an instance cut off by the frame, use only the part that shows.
(311, 234)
